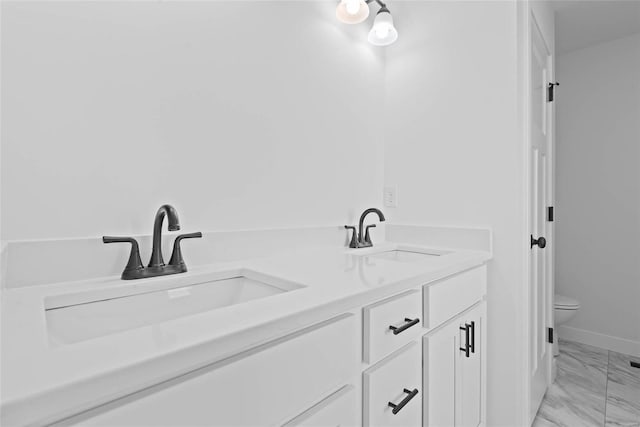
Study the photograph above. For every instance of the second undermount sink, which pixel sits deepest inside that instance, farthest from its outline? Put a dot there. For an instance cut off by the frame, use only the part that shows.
(413, 255)
(81, 316)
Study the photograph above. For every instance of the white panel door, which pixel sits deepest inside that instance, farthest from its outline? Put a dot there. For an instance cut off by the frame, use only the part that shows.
(540, 298)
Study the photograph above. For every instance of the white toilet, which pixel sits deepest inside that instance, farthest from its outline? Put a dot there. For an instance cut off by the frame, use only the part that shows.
(564, 309)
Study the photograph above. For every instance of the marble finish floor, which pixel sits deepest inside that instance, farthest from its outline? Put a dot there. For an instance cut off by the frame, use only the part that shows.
(594, 387)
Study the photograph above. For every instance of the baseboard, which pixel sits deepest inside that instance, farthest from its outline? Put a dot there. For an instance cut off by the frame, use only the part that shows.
(608, 342)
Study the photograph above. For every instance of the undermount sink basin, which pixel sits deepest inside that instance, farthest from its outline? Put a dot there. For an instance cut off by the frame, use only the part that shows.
(81, 316)
(409, 255)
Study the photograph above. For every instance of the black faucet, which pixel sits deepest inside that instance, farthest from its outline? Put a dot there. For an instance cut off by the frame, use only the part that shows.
(362, 238)
(134, 268)
(156, 260)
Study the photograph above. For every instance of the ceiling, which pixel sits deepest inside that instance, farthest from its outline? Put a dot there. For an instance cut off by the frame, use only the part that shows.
(582, 23)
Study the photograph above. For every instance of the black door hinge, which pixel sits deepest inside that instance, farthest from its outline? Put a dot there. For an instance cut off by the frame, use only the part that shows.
(550, 213)
(551, 91)
(550, 335)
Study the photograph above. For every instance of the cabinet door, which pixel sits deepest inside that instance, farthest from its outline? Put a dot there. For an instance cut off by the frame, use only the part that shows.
(440, 353)
(469, 369)
(453, 382)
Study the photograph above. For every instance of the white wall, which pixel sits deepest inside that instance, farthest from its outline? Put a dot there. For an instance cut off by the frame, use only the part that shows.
(455, 152)
(598, 189)
(241, 114)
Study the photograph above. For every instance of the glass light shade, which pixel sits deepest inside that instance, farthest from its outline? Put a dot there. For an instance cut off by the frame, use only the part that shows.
(352, 11)
(383, 32)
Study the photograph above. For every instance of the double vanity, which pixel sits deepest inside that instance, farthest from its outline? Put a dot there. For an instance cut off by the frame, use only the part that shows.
(388, 335)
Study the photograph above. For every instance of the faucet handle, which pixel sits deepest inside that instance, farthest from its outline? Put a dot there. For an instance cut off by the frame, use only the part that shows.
(367, 237)
(134, 263)
(176, 255)
(354, 236)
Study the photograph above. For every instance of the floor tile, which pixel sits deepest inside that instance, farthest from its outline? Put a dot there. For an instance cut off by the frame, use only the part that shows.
(541, 422)
(577, 397)
(623, 392)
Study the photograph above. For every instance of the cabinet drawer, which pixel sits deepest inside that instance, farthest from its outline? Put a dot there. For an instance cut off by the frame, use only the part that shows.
(448, 297)
(337, 410)
(262, 386)
(397, 380)
(390, 324)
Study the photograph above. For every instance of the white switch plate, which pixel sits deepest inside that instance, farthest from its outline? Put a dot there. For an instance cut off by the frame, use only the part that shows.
(391, 196)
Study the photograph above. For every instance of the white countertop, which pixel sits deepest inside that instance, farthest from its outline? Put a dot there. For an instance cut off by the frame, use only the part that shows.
(44, 382)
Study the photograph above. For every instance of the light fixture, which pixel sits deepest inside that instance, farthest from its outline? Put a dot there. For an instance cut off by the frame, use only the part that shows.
(352, 11)
(382, 33)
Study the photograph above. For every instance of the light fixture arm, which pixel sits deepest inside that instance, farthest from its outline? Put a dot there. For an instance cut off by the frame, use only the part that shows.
(383, 6)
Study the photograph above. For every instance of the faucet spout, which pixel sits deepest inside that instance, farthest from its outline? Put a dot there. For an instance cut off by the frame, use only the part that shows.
(361, 236)
(174, 224)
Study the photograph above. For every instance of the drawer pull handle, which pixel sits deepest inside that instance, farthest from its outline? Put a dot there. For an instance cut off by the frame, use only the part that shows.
(410, 323)
(467, 345)
(473, 336)
(410, 395)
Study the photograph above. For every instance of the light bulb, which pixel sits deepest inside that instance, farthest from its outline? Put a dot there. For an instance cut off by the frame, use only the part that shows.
(352, 6)
(352, 11)
(383, 32)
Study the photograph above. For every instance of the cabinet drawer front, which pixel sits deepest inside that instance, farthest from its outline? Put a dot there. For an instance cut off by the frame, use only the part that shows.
(446, 298)
(402, 312)
(263, 386)
(337, 410)
(391, 381)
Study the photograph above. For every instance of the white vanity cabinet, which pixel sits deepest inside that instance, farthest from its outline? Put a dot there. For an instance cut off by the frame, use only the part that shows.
(416, 358)
(451, 313)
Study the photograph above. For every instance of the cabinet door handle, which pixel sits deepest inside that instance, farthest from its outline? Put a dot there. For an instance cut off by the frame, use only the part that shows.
(473, 336)
(467, 345)
(410, 323)
(410, 395)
